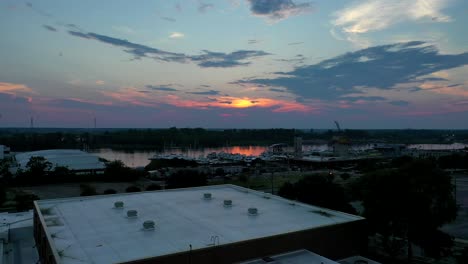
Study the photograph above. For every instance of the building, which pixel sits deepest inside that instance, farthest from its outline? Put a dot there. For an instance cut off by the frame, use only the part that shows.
(298, 147)
(17, 243)
(4, 151)
(211, 224)
(296, 257)
(390, 150)
(75, 160)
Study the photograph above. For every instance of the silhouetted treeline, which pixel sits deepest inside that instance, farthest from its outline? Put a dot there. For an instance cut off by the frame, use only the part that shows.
(146, 138)
(25, 140)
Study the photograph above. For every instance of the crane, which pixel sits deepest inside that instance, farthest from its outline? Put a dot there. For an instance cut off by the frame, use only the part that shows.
(337, 126)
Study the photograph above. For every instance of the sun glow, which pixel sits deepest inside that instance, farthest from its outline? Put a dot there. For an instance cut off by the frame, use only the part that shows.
(242, 103)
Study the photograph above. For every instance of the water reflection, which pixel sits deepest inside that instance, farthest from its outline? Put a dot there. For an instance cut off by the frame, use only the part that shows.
(140, 158)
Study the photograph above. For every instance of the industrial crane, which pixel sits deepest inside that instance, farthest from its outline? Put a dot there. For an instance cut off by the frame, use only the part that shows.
(338, 126)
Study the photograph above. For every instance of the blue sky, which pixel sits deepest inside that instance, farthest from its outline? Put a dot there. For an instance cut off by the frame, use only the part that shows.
(234, 63)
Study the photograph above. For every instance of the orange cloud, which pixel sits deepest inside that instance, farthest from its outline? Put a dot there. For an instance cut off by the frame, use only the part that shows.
(14, 88)
(244, 102)
(89, 101)
(133, 96)
(443, 89)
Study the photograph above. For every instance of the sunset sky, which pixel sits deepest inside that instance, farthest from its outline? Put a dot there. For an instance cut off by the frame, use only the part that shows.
(234, 63)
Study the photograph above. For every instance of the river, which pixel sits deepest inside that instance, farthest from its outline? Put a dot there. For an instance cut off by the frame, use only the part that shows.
(140, 158)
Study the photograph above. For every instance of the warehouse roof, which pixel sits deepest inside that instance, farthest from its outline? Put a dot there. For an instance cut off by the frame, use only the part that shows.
(72, 158)
(95, 229)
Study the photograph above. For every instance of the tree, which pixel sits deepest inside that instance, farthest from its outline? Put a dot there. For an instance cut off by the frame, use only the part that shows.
(317, 190)
(61, 172)
(109, 191)
(345, 176)
(186, 178)
(153, 187)
(133, 188)
(287, 191)
(409, 203)
(2, 194)
(24, 201)
(87, 190)
(38, 167)
(5, 173)
(117, 171)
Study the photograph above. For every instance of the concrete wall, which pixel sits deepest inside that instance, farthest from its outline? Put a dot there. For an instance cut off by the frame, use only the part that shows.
(46, 255)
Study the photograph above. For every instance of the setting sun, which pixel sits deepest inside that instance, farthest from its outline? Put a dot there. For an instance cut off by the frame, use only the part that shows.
(242, 103)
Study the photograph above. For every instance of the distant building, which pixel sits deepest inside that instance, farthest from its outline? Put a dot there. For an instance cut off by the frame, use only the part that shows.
(212, 224)
(341, 146)
(75, 160)
(390, 150)
(298, 147)
(4, 151)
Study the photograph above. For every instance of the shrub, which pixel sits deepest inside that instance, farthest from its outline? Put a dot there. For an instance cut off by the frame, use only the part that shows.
(133, 188)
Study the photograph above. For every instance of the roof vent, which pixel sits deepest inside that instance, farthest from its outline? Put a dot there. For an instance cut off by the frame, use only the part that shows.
(207, 196)
(227, 203)
(148, 225)
(132, 213)
(119, 204)
(252, 211)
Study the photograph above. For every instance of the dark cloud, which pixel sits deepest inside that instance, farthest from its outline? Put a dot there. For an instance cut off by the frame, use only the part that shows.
(205, 85)
(295, 43)
(203, 7)
(224, 60)
(277, 90)
(277, 9)
(206, 59)
(37, 10)
(50, 28)
(210, 92)
(365, 98)
(299, 59)
(164, 88)
(399, 103)
(170, 19)
(137, 50)
(381, 67)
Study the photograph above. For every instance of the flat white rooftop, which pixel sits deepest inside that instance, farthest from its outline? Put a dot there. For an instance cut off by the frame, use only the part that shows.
(92, 230)
(296, 257)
